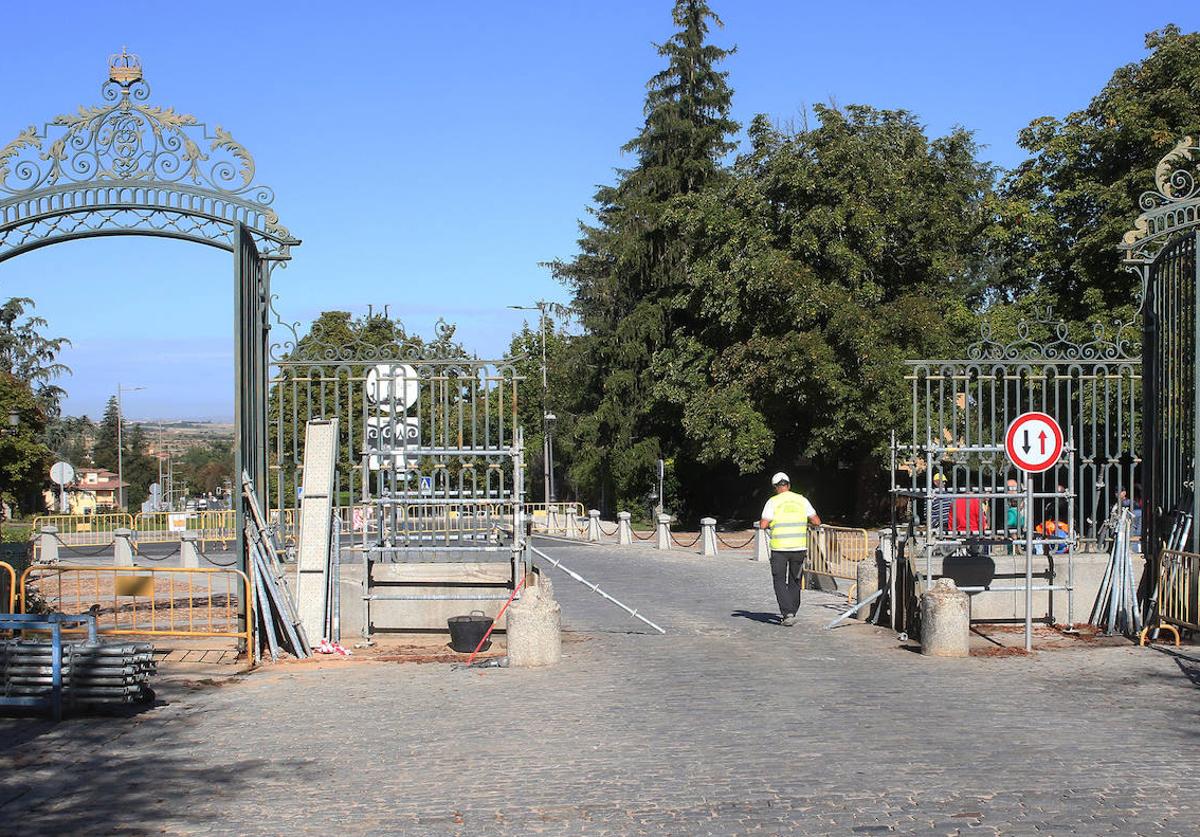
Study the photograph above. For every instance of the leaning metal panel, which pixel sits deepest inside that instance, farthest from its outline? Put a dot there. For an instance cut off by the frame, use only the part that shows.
(1091, 386)
(127, 167)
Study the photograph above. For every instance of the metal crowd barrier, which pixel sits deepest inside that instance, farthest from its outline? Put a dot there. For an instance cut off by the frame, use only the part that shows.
(554, 517)
(8, 587)
(835, 551)
(84, 529)
(144, 601)
(1178, 593)
(165, 527)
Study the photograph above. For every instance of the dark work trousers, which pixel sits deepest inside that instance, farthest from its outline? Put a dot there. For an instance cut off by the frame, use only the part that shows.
(787, 568)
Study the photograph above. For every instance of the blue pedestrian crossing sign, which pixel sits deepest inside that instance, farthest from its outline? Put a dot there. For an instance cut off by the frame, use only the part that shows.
(426, 485)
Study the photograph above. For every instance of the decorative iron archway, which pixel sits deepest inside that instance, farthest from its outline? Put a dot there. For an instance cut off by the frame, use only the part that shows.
(1161, 249)
(128, 167)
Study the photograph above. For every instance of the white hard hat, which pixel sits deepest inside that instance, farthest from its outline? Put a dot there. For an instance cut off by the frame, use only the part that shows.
(780, 478)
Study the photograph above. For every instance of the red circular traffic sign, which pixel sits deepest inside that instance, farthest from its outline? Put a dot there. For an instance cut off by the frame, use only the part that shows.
(1034, 442)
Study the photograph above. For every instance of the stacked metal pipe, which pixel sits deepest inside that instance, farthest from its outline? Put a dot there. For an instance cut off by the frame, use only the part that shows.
(92, 673)
(1116, 609)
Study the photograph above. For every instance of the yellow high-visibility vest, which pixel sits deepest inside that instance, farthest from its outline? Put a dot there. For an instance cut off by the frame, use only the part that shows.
(789, 522)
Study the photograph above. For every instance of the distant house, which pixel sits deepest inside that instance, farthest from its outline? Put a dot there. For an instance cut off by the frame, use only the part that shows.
(94, 491)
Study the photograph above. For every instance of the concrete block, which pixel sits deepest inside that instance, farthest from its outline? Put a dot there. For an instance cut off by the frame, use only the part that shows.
(664, 531)
(708, 536)
(123, 547)
(945, 621)
(534, 636)
(48, 544)
(762, 545)
(624, 529)
(867, 576)
(187, 550)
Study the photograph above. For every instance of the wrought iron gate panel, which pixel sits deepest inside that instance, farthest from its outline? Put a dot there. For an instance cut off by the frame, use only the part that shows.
(460, 431)
(1090, 386)
(1171, 321)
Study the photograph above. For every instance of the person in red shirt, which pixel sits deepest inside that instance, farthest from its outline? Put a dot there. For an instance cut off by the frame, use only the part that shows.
(967, 515)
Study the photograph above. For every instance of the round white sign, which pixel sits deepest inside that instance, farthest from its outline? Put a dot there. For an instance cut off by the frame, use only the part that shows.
(62, 473)
(1034, 442)
(391, 385)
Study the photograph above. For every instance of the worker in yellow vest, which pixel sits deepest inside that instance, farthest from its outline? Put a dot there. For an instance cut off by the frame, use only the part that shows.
(787, 516)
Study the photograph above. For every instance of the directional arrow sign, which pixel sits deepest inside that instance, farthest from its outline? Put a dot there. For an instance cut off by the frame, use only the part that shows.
(1034, 442)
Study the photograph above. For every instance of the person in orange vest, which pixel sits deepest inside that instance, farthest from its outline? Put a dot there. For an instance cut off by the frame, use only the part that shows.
(787, 516)
(1057, 529)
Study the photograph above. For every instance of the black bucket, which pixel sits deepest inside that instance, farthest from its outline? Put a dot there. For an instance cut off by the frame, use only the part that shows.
(466, 631)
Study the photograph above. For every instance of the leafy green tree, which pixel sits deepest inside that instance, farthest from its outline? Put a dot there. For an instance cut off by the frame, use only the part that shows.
(104, 451)
(29, 355)
(24, 457)
(70, 438)
(525, 350)
(140, 468)
(628, 275)
(1067, 206)
(206, 467)
(827, 258)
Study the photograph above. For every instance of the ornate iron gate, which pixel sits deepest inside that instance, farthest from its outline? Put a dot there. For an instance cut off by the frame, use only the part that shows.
(1161, 250)
(126, 167)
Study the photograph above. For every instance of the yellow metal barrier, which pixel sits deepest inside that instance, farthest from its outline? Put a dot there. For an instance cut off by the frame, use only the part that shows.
(84, 529)
(554, 517)
(165, 527)
(8, 587)
(835, 551)
(145, 601)
(1178, 593)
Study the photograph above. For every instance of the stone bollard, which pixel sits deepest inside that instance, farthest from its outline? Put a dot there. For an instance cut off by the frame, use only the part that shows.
(867, 576)
(594, 526)
(945, 621)
(624, 529)
(188, 550)
(762, 545)
(123, 547)
(48, 544)
(664, 531)
(708, 536)
(569, 523)
(534, 629)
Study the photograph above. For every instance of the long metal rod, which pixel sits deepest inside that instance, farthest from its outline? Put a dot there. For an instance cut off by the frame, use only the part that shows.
(859, 607)
(595, 588)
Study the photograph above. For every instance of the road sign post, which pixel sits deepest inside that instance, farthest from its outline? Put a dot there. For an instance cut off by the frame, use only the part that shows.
(1034, 443)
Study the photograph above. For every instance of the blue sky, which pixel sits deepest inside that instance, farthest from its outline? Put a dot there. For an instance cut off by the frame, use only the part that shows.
(430, 155)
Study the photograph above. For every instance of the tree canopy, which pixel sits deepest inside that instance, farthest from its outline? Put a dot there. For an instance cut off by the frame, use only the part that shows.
(739, 317)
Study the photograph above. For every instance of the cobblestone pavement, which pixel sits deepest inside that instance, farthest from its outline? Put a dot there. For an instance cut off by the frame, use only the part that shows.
(730, 724)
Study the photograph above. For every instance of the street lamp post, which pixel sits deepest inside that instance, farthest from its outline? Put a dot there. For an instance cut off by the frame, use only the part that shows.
(543, 307)
(120, 458)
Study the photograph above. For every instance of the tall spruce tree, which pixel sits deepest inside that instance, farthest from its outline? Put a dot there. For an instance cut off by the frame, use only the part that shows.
(104, 451)
(629, 278)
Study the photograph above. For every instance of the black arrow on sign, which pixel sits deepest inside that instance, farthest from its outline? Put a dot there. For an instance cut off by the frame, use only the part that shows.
(1042, 439)
(1025, 447)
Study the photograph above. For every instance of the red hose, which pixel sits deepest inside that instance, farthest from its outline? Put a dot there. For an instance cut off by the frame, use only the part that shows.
(516, 590)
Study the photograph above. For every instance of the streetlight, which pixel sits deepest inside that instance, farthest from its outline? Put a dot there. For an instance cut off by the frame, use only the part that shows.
(542, 307)
(120, 460)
